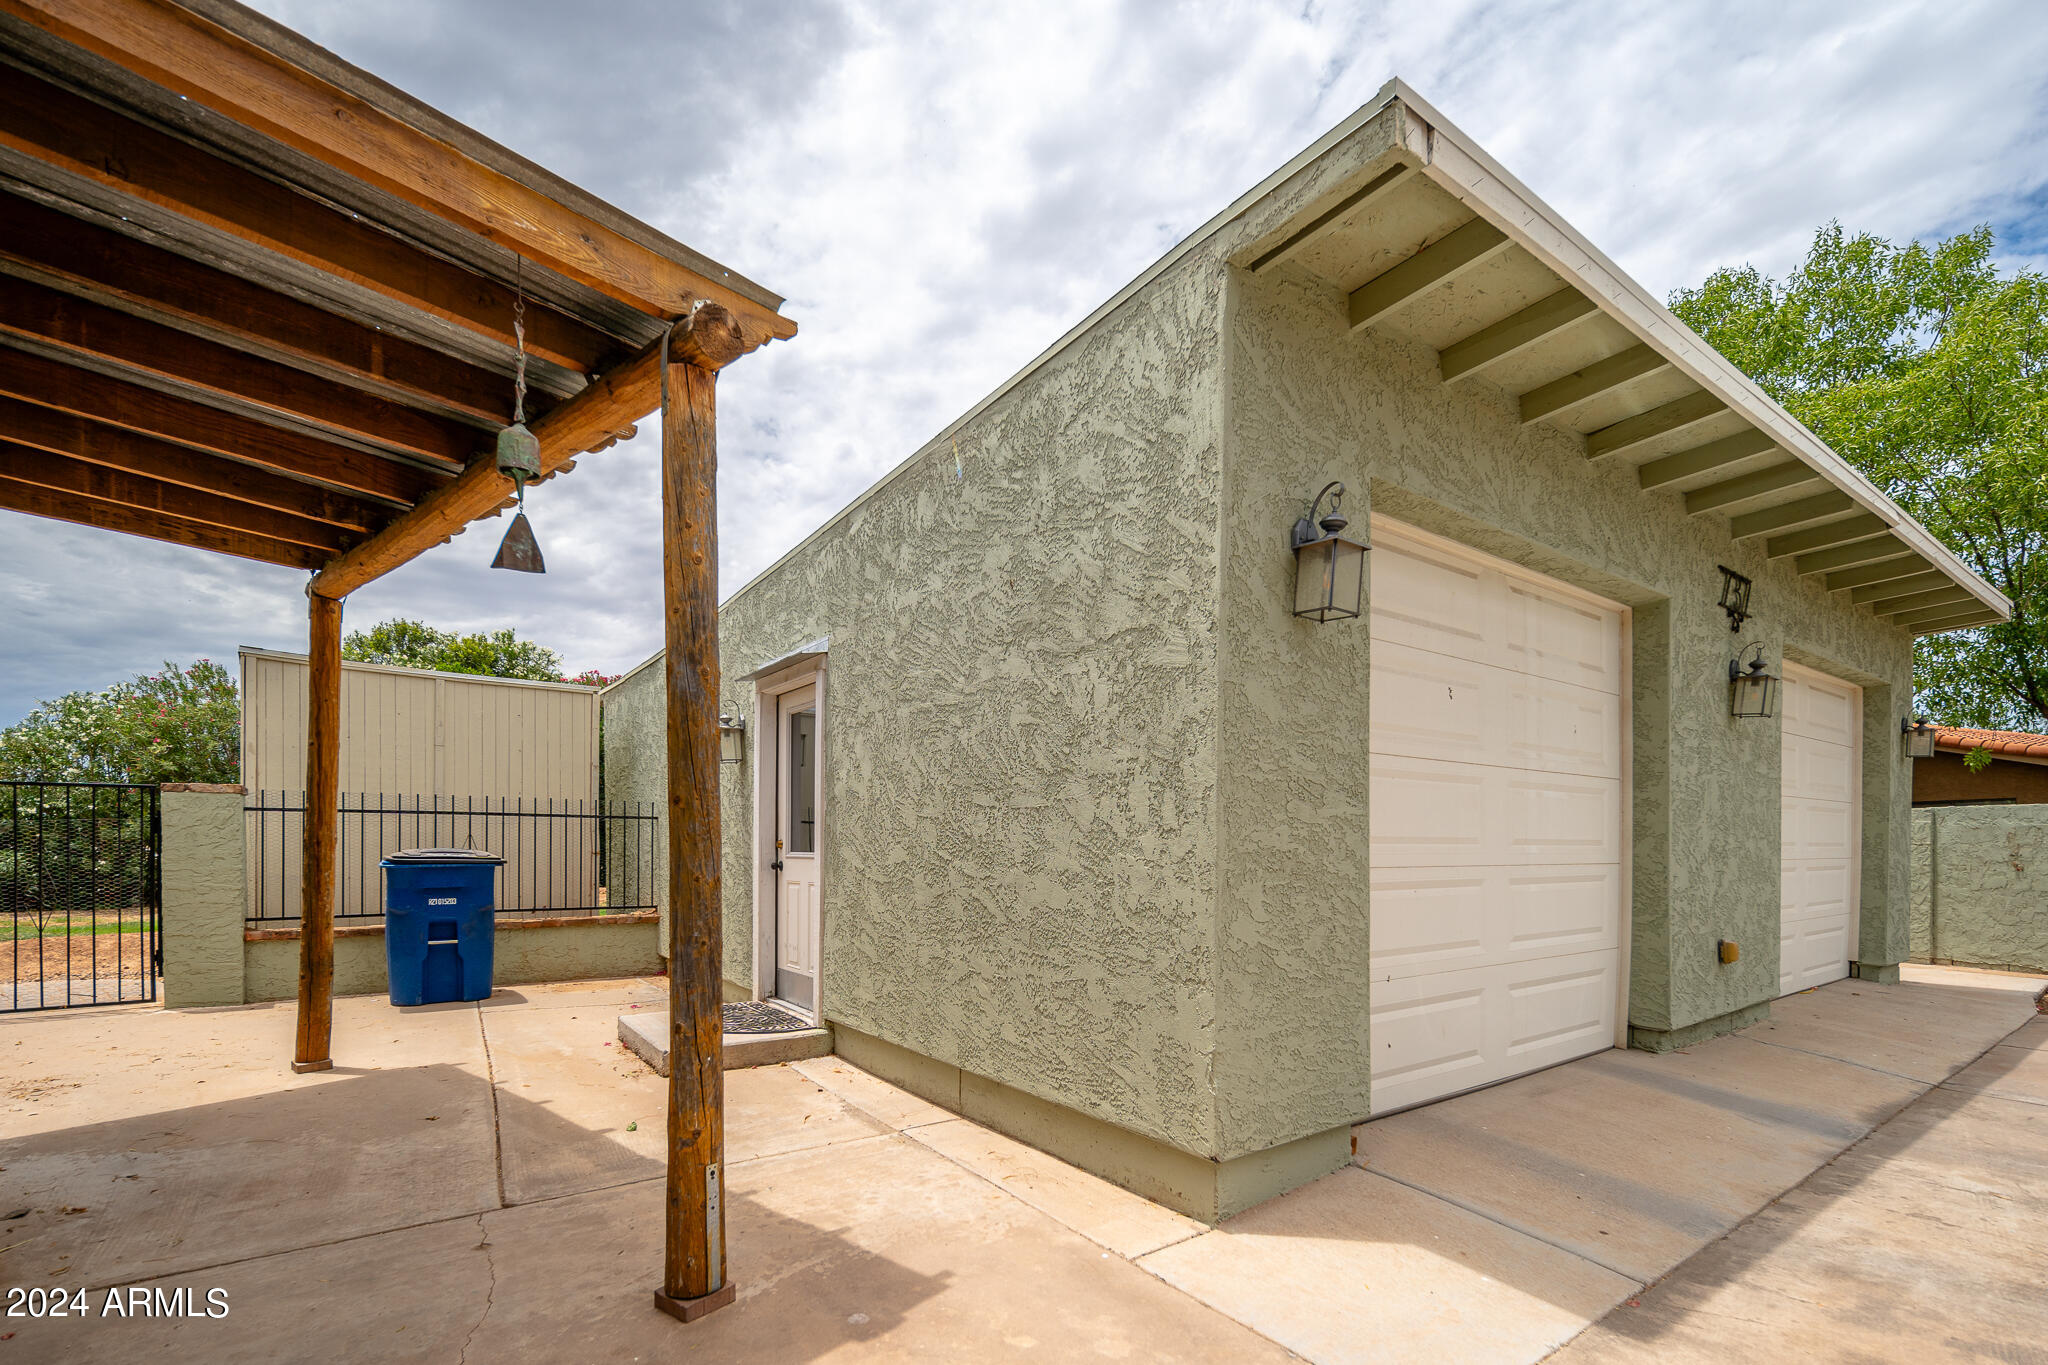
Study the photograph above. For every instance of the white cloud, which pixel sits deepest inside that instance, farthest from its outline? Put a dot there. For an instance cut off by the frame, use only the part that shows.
(942, 190)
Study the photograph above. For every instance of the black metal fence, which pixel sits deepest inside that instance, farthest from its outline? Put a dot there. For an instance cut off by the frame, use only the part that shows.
(80, 894)
(561, 857)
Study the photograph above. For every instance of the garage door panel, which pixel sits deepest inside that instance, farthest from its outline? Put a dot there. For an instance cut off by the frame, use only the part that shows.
(1556, 818)
(1432, 602)
(1560, 637)
(1561, 728)
(1429, 920)
(1562, 1014)
(1818, 831)
(1437, 707)
(1434, 920)
(1431, 814)
(1563, 910)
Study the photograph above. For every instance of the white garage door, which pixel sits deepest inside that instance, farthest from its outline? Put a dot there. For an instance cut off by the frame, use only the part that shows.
(1497, 885)
(1822, 776)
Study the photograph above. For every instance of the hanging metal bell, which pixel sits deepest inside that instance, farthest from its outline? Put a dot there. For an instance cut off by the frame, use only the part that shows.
(519, 550)
(519, 453)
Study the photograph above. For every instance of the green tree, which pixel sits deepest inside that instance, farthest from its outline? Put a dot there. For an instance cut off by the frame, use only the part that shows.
(177, 725)
(415, 644)
(1927, 369)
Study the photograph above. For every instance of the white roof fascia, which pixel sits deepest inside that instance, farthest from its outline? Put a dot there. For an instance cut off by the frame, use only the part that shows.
(1455, 161)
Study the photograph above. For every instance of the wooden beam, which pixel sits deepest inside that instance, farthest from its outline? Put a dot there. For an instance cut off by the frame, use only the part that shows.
(321, 823)
(1677, 415)
(1514, 334)
(92, 143)
(1582, 386)
(140, 521)
(1442, 261)
(1876, 595)
(114, 402)
(1847, 556)
(110, 267)
(1858, 527)
(91, 329)
(61, 474)
(1916, 604)
(1968, 620)
(1776, 479)
(1790, 514)
(64, 433)
(693, 1280)
(614, 401)
(1878, 571)
(235, 78)
(1945, 612)
(1704, 459)
(1327, 222)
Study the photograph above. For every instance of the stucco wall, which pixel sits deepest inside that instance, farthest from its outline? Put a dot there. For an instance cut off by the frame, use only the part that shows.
(1980, 886)
(203, 857)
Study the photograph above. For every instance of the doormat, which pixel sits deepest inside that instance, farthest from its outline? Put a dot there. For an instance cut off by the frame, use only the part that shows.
(758, 1016)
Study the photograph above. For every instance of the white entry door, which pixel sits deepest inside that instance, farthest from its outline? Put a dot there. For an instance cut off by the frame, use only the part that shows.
(797, 826)
(1820, 828)
(1497, 808)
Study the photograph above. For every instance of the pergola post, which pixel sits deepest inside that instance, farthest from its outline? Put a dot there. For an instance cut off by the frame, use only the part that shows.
(693, 1279)
(316, 882)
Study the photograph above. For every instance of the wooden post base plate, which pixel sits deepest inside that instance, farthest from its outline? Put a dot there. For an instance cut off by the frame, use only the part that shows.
(689, 1310)
(326, 1064)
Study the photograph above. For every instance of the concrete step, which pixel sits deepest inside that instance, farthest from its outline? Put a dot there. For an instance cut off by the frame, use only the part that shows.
(646, 1033)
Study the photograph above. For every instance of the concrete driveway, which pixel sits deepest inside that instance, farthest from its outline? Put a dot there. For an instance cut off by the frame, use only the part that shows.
(483, 1182)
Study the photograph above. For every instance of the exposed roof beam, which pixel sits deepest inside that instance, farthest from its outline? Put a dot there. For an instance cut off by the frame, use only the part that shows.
(1967, 620)
(1581, 386)
(1777, 478)
(1877, 595)
(1916, 604)
(111, 267)
(100, 398)
(1703, 459)
(710, 337)
(1790, 514)
(1515, 334)
(89, 142)
(1437, 264)
(64, 433)
(153, 525)
(341, 128)
(1327, 222)
(61, 474)
(1859, 527)
(1843, 556)
(1674, 416)
(1938, 613)
(92, 329)
(1880, 571)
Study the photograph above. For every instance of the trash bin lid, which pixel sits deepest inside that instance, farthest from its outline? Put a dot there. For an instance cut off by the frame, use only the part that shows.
(444, 855)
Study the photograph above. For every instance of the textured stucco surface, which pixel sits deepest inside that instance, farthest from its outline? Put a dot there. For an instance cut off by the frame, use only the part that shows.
(1980, 886)
(570, 952)
(204, 886)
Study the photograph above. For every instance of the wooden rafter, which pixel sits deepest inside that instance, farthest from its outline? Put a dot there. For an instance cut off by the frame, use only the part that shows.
(153, 525)
(1582, 386)
(1878, 571)
(1918, 603)
(1323, 224)
(1704, 459)
(1877, 595)
(232, 76)
(104, 400)
(1444, 260)
(1743, 487)
(1680, 414)
(110, 267)
(1860, 527)
(1847, 556)
(1943, 612)
(1982, 616)
(1513, 335)
(1789, 514)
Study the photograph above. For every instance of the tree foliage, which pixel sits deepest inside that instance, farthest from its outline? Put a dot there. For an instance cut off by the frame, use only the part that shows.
(415, 644)
(177, 725)
(1927, 368)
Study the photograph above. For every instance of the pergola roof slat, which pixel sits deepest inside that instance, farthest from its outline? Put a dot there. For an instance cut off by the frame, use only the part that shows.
(154, 525)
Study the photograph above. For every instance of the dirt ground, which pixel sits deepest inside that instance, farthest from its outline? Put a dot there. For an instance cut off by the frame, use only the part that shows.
(122, 956)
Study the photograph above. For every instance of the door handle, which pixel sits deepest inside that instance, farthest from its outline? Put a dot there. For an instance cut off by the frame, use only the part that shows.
(776, 865)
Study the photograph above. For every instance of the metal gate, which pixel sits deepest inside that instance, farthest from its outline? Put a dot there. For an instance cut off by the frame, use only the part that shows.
(80, 894)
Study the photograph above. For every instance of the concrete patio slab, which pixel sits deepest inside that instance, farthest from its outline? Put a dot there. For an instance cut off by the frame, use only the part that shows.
(2010, 1071)
(1358, 1268)
(1925, 1029)
(873, 1096)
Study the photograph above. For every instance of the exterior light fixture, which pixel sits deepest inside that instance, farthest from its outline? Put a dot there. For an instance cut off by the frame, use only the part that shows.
(732, 738)
(1919, 732)
(1735, 598)
(1329, 567)
(1752, 688)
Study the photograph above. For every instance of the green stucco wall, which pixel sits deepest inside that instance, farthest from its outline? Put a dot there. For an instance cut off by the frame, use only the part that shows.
(203, 854)
(1980, 886)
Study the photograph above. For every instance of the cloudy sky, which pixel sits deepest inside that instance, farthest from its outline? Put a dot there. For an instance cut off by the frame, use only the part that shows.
(941, 190)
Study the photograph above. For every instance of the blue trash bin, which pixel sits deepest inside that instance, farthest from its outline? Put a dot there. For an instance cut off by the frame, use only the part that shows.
(440, 911)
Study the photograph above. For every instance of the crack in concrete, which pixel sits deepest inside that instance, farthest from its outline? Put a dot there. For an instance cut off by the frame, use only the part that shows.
(490, 1294)
(483, 1034)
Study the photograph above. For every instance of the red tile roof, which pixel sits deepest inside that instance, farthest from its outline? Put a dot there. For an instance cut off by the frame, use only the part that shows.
(2003, 743)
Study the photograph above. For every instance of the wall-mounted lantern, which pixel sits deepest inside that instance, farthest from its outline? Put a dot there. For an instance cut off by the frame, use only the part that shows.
(1752, 687)
(1919, 732)
(732, 738)
(1329, 568)
(1734, 597)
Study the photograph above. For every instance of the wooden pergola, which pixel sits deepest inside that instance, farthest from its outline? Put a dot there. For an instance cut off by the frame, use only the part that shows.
(256, 301)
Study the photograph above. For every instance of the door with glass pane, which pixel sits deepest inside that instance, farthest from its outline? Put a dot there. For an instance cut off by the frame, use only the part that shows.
(797, 828)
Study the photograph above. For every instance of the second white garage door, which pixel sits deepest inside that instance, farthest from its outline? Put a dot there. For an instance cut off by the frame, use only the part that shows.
(1822, 721)
(1497, 878)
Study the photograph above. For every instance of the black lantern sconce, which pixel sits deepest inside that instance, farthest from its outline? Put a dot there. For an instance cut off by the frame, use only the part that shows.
(1329, 567)
(732, 738)
(1734, 597)
(1752, 687)
(1919, 733)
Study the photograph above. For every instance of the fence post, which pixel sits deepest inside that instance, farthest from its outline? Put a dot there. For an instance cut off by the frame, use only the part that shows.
(205, 881)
